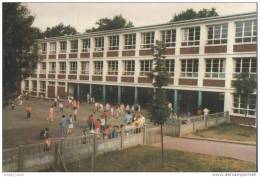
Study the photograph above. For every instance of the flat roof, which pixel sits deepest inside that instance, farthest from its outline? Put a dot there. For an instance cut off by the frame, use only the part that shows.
(169, 24)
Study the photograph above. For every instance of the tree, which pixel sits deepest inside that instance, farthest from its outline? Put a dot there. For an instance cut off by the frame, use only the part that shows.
(191, 14)
(59, 30)
(245, 85)
(20, 54)
(117, 22)
(159, 110)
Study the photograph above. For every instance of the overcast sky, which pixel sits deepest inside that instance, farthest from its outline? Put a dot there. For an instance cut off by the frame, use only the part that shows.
(84, 15)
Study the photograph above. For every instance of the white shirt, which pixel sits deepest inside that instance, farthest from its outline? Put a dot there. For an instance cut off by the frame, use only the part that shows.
(206, 111)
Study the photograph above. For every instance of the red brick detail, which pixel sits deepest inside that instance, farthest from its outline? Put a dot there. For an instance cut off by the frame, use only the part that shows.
(43, 57)
(52, 56)
(216, 49)
(51, 91)
(144, 80)
(169, 51)
(42, 75)
(62, 55)
(213, 83)
(61, 76)
(171, 81)
(244, 48)
(33, 93)
(72, 77)
(84, 55)
(145, 52)
(51, 76)
(111, 78)
(97, 78)
(61, 92)
(189, 50)
(34, 75)
(112, 54)
(83, 77)
(242, 120)
(98, 54)
(73, 55)
(127, 79)
(126, 53)
(188, 81)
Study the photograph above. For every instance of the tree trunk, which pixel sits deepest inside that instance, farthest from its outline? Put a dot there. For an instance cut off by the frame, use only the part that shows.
(162, 144)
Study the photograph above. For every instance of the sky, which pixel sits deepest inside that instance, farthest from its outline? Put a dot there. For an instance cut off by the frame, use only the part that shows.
(83, 16)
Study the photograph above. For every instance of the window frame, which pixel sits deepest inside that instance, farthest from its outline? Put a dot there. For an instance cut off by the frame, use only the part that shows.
(185, 41)
(112, 68)
(192, 74)
(218, 74)
(85, 45)
(221, 40)
(42, 89)
(128, 71)
(150, 39)
(74, 46)
(253, 38)
(238, 108)
(98, 68)
(73, 67)
(53, 48)
(146, 67)
(52, 67)
(86, 68)
(34, 86)
(129, 41)
(44, 48)
(62, 69)
(170, 67)
(99, 44)
(170, 39)
(113, 43)
(65, 49)
(242, 63)
(43, 71)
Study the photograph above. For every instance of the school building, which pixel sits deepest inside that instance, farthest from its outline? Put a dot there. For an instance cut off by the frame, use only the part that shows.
(203, 56)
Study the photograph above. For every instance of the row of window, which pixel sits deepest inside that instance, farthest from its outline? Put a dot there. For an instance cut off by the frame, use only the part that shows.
(215, 67)
(216, 34)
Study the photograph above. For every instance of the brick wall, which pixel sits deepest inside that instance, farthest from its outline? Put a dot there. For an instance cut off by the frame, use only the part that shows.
(112, 54)
(51, 76)
(52, 56)
(83, 77)
(188, 81)
(242, 120)
(189, 50)
(97, 78)
(62, 56)
(216, 49)
(84, 55)
(98, 54)
(144, 80)
(127, 79)
(244, 48)
(128, 53)
(61, 76)
(74, 77)
(169, 51)
(111, 78)
(145, 52)
(213, 83)
(73, 55)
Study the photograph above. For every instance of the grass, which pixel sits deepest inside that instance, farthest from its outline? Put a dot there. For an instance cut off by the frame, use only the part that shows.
(229, 131)
(147, 158)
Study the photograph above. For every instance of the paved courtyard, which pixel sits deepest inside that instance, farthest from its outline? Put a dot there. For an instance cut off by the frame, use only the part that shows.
(17, 130)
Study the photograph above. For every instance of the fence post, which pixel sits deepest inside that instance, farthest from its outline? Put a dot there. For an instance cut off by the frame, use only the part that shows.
(206, 121)
(144, 135)
(93, 153)
(21, 158)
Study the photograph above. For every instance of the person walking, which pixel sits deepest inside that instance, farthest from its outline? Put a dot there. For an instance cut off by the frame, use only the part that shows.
(70, 126)
(51, 114)
(88, 98)
(61, 107)
(62, 125)
(75, 112)
(28, 111)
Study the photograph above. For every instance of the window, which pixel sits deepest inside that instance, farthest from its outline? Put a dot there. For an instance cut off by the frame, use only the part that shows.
(169, 38)
(113, 42)
(34, 86)
(246, 32)
(169, 64)
(240, 107)
(189, 67)
(112, 68)
(73, 67)
(99, 44)
(190, 36)
(61, 84)
(217, 34)
(215, 68)
(53, 48)
(130, 40)
(84, 67)
(52, 69)
(74, 46)
(129, 68)
(62, 67)
(27, 85)
(43, 48)
(98, 67)
(147, 40)
(43, 68)
(63, 46)
(146, 67)
(42, 86)
(245, 65)
(85, 45)
(51, 83)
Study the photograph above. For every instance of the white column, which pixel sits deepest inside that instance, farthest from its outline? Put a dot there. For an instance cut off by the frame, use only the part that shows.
(137, 70)
(120, 70)
(177, 71)
(91, 69)
(47, 69)
(178, 41)
(38, 69)
(92, 47)
(38, 88)
(156, 36)
(79, 48)
(121, 45)
(228, 71)
(68, 49)
(231, 37)
(201, 71)
(56, 89)
(67, 69)
(57, 48)
(203, 38)
(106, 45)
(22, 86)
(46, 88)
(105, 68)
(78, 69)
(228, 102)
(47, 50)
(138, 43)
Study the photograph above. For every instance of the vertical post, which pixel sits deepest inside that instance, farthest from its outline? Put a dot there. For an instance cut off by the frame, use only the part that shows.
(93, 153)
(21, 159)
(199, 98)
(90, 90)
(78, 92)
(144, 135)
(119, 94)
(176, 101)
(136, 95)
(104, 94)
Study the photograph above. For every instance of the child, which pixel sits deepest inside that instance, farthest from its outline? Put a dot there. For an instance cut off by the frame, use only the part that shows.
(47, 144)
(51, 114)
(61, 107)
(29, 111)
(70, 126)
(75, 112)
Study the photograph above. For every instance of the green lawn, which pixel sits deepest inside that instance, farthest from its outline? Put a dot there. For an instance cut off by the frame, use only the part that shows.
(230, 132)
(146, 158)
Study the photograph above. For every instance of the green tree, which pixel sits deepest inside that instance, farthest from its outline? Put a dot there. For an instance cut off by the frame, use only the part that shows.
(19, 55)
(59, 30)
(116, 22)
(191, 14)
(245, 85)
(159, 110)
